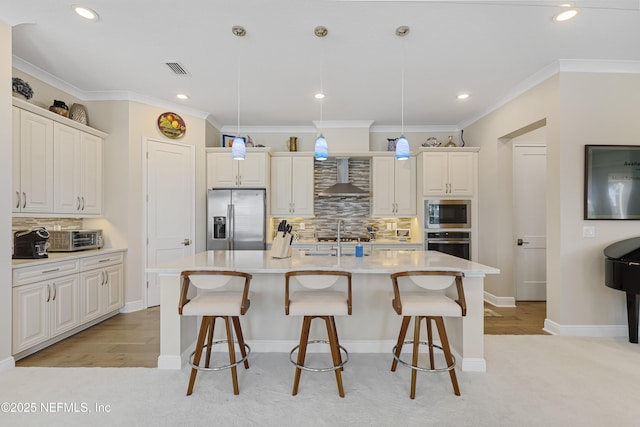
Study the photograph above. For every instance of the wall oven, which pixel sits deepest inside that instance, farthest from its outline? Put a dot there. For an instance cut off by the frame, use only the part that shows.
(447, 213)
(456, 243)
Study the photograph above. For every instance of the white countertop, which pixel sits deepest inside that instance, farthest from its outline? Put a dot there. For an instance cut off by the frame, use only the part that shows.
(385, 262)
(62, 256)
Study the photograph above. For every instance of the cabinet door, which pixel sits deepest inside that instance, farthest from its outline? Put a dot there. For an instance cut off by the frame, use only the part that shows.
(66, 169)
(30, 315)
(461, 173)
(383, 186)
(281, 186)
(15, 163)
(405, 187)
(65, 304)
(221, 170)
(302, 186)
(435, 175)
(113, 295)
(91, 174)
(91, 284)
(36, 162)
(252, 170)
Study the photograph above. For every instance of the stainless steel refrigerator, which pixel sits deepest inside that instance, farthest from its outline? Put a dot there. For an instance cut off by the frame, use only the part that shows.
(236, 219)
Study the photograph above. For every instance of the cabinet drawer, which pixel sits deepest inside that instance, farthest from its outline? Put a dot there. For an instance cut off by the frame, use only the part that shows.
(22, 276)
(101, 261)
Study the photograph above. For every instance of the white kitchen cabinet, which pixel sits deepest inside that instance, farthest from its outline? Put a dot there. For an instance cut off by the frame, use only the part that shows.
(102, 288)
(44, 310)
(292, 186)
(224, 172)
(448, 173)
(77, 171)
(394, 187)
(33, 162)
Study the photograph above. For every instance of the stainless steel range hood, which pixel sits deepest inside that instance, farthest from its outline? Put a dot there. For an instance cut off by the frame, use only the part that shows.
(343, 187)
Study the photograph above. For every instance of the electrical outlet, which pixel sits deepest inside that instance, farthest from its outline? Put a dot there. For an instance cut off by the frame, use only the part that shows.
(389, 226)
(588, 231)
(302, 226)
(394, 226)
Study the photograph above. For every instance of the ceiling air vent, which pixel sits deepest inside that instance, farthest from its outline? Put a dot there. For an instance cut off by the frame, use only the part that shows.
(177, 68)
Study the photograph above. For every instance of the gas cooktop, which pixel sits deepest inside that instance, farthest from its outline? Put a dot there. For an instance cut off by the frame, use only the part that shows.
(343, 239)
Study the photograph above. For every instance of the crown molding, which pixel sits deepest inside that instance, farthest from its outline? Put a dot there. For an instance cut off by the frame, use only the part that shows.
(232, 129)
(62, 85)
(342, 124)
(414, 129)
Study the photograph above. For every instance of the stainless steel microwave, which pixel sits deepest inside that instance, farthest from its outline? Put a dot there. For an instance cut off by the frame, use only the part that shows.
(447, 213)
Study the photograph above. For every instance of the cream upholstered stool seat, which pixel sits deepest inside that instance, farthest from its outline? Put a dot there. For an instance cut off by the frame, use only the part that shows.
(432, 304)
(216, 300)
(315, 300)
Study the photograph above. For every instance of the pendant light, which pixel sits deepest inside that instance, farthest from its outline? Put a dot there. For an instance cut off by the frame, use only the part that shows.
(238, 149)
(403, 151)
(321, 149)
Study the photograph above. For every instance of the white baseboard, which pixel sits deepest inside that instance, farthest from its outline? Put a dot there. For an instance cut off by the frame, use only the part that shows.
(169, 362)
(499, 301)
(7, 364)
(132, 306)
(585, 330)
(471, 364)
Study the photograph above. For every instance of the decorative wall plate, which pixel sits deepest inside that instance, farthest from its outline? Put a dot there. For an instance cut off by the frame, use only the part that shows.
(171, 125)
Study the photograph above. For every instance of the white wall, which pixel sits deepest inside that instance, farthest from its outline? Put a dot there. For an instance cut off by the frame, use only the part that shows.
(579, 108)
(6, 361)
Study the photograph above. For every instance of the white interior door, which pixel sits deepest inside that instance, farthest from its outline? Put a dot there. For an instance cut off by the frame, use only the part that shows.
(170, 207)
(529, 197)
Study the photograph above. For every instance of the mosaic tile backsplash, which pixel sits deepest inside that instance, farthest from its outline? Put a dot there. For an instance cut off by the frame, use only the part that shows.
(354, 211)
(25, 223)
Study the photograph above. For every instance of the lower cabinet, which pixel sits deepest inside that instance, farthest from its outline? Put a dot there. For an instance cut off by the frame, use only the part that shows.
(57, 298)
(44, 310)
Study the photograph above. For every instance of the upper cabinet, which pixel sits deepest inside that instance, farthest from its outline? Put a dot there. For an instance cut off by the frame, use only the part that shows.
(394, 187)
(448, 173)
(32, 162)
(292, 186)
(57, 164)
(224, 172)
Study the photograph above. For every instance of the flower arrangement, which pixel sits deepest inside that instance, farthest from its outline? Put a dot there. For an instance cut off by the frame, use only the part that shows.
(22, 87)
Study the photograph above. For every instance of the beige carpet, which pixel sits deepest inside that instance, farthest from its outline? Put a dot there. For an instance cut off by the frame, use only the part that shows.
(531, 381)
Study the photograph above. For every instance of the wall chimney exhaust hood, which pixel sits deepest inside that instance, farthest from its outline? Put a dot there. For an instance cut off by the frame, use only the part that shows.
(343, 187)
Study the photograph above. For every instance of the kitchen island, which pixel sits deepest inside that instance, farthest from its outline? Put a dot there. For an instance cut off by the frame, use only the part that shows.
(373, 327)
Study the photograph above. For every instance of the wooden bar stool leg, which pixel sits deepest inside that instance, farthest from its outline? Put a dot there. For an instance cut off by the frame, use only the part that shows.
(401, 335)
(335, 332)
(335, 353)
(447, 353)
(210, 342)
(243, 351)
(302, 351)
(430, 340)
(206, 321)
(416, 345)
(232, 356)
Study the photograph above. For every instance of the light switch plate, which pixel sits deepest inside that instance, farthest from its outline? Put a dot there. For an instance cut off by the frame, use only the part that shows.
(588, 231)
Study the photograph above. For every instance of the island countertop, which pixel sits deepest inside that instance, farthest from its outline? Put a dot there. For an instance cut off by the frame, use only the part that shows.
(373, 326)
(379, 262)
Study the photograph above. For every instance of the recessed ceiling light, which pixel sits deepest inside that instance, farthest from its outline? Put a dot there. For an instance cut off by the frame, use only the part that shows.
(319, 95)
(182, 96)
(85, 12)
(463, 96)
(565, 15)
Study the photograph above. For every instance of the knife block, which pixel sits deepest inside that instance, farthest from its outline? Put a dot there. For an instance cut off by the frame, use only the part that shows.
(281, 245)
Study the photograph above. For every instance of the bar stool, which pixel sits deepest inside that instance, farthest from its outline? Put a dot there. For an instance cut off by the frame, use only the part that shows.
(317, 302)
(216, 303)
(429, 303)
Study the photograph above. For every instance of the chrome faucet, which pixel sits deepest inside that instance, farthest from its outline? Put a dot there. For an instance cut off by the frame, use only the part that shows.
(339, 247)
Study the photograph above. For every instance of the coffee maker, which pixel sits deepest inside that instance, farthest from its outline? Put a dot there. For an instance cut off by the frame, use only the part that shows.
(30, 244)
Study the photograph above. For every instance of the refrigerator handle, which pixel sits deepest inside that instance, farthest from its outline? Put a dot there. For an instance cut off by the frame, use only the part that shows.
(231, 225)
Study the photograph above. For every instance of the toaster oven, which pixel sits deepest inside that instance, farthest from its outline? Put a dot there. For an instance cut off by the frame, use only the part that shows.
(74, 240)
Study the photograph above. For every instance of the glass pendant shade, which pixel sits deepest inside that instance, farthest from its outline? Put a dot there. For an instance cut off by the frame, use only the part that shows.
(321, 151)
(402, 148)
(238, 149)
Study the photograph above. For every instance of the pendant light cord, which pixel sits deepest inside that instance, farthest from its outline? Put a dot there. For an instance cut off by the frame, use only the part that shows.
(238, 90)
(402, 89)
(321, 84)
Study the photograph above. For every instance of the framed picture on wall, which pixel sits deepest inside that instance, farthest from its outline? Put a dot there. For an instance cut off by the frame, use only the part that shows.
(227, 140)
(612, 182)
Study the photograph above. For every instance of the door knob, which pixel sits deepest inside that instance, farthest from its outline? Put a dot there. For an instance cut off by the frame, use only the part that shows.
(186, 242)
(522, 242)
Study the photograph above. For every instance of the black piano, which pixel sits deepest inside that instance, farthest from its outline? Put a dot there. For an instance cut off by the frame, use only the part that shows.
(622, 272)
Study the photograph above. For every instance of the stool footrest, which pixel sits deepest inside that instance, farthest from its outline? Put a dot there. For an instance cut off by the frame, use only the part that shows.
(219, 368)
(419, 368)
(331, 368)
